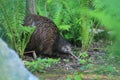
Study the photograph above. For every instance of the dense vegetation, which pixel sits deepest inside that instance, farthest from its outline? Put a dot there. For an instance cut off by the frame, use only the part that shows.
(11, 29)
(76, 20)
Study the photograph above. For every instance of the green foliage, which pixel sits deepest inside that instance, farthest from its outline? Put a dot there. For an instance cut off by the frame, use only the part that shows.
(40, 64)
(26, 33)
(86, 35)
(75, 20)
(105, 69)
(12, 14)
(74, 77)
(84, 59)
(107, 13)
(78, 77)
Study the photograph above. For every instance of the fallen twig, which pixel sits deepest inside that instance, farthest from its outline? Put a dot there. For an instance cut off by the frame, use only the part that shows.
(33, 53)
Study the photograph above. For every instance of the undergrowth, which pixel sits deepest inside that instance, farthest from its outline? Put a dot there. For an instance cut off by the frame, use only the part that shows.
(11, 29)
(40, 64)
(75, 20)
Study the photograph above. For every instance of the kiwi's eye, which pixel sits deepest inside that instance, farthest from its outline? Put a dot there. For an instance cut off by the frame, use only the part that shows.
(67, 49)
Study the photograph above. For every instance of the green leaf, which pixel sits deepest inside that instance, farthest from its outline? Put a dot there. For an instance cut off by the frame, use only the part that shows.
(64, 27)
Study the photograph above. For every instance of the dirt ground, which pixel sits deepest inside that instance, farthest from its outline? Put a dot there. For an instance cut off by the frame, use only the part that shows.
(71, 68)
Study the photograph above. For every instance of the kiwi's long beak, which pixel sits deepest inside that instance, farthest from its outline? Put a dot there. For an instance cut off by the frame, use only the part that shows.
(74, 56)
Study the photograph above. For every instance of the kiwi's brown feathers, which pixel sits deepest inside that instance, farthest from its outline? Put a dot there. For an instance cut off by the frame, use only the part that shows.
(46, 37)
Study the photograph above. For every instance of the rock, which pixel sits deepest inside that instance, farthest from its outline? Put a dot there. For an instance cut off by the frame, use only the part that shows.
(11, 67)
